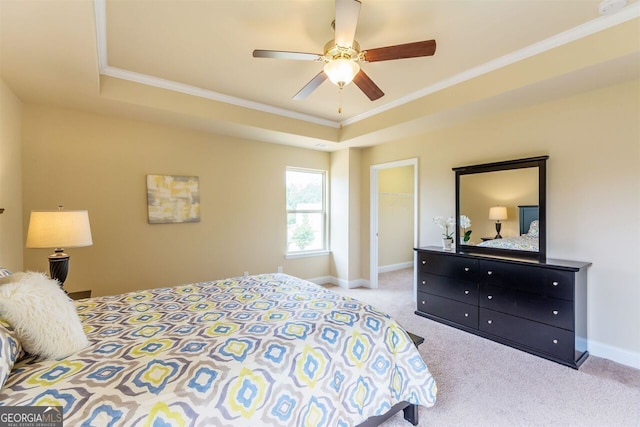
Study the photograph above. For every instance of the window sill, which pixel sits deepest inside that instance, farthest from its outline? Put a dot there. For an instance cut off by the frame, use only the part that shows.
(293, 255)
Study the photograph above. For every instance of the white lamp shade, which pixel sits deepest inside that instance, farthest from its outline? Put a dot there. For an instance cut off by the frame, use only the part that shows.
(341, 71)
(59, 229)
(498, 213)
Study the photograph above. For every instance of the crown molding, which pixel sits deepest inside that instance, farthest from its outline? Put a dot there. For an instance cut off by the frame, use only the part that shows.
(209, 94)
(107, 70)
(601, 23)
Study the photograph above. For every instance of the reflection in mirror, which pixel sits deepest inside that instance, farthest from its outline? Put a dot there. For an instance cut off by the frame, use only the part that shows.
(481, 194)
(501, 208)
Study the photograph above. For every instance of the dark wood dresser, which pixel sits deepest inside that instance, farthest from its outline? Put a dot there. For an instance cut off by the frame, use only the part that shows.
(537, 307)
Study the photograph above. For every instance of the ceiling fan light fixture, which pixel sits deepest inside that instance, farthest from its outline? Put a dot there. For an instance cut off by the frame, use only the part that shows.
(341, 56)
(341, 71)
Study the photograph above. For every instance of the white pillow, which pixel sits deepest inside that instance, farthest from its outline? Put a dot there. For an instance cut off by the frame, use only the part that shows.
(44, 317)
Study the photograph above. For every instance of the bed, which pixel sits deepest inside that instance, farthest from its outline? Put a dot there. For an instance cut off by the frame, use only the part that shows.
(528, 240)
(268, 349)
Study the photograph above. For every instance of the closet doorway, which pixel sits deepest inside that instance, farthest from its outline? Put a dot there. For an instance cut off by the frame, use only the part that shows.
(394, 217)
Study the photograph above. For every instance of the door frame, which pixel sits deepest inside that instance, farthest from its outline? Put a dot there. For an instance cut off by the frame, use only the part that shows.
(373, 209)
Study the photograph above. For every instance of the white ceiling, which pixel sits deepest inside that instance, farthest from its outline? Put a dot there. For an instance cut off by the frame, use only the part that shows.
(55, 51)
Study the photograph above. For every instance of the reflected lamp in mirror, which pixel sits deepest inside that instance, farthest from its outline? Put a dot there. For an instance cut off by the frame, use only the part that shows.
(497, 214)
(59, 229)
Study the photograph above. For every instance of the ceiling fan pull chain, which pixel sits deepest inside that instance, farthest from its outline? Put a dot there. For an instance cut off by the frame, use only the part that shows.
(340, 101)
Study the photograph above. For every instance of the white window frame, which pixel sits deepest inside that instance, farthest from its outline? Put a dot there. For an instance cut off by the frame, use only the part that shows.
(323, 211)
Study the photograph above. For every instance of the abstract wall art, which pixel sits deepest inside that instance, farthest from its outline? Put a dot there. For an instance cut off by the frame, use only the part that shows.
(173, 199)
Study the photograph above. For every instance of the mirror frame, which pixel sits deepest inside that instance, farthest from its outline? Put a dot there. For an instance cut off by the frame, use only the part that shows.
(530, 162)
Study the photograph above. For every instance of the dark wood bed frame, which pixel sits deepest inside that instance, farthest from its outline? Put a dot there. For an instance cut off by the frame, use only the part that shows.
(410, 414)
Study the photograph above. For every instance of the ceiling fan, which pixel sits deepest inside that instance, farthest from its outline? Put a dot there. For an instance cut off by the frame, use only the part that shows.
(342, 55)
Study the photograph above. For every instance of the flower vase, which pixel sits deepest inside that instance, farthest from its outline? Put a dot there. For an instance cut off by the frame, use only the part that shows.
(446, 244)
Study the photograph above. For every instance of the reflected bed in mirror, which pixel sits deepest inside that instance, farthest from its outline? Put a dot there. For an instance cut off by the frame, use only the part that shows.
(528, 235)
(506, 204)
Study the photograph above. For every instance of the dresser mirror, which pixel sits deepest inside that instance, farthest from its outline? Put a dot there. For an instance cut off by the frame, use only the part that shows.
(505, 203)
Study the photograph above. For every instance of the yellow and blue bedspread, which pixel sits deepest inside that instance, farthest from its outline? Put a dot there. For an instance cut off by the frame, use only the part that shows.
(260, 350)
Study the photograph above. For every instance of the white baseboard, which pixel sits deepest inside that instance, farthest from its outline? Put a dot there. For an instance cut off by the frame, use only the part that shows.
(394, 267)
(615, 354)
(323, 280)
(358, 283)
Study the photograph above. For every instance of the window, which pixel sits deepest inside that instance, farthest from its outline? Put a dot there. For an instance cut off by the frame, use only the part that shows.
(306, 210)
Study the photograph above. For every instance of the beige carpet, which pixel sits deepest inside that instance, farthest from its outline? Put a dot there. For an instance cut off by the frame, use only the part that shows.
(482, 383)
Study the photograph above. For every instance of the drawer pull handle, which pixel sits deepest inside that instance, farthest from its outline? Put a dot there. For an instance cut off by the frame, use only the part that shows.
(466, 269)
(555, 341)
(424, 302)
(424, 282)
(466, 292)
(555, 312)
(490, 297)
(489, 321)
(489, 272)
(555, 283)
(424, 262)
(466, 315)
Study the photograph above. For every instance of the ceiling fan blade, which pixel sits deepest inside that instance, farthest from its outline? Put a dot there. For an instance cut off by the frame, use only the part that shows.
(367, 86)
(409, 50)
(278, 54)
(311, 86)
(347, 12)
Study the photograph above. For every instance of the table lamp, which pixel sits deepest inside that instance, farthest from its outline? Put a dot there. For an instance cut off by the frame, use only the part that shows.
(59, 229)
(498, 213)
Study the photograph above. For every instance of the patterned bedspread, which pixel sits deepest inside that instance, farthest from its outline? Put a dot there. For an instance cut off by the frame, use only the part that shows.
(520, 243)
(259, 350)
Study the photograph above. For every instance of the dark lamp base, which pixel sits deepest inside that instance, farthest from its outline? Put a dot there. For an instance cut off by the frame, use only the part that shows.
(59, 267)
(498, 227)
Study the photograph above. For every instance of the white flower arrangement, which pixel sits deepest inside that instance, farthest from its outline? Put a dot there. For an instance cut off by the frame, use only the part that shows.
(447, 226)
(465, 223)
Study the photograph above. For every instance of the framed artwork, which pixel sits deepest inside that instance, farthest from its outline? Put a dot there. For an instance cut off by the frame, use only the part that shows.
(173, 199)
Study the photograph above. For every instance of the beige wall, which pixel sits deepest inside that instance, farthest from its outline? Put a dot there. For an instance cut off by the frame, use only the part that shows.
(11, 241)
(355, 185)
(339, 213)
(345, 217)
(593, 193)
(395, 216)
(99, 163)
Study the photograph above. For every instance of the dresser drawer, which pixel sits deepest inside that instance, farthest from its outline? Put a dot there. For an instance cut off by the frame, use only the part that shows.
(450, 266)
(556, 342)
(448, 309)
(552, 311)
(543, 281)
(560, 284)
(459, 290)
